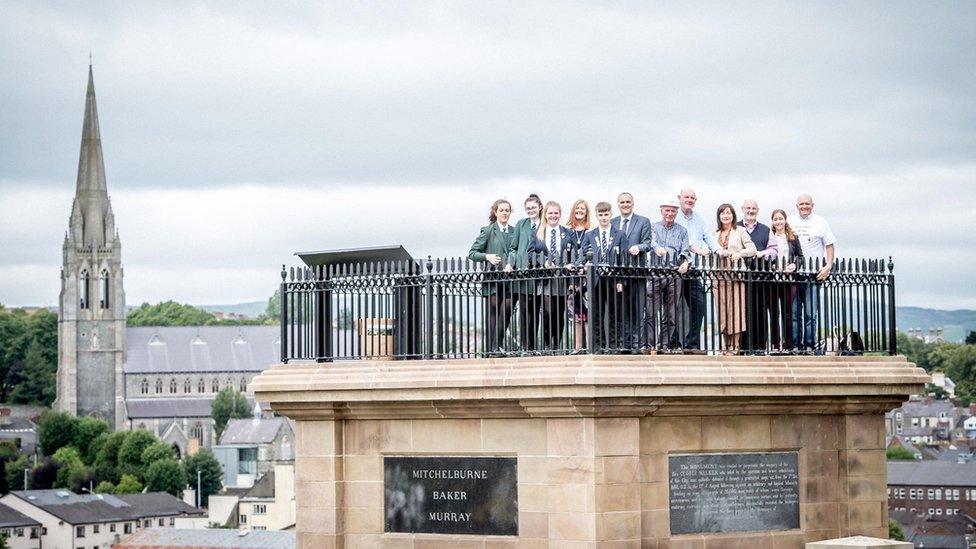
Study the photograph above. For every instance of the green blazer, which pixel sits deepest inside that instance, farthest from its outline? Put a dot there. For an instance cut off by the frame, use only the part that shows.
(491, 240)
(518, 253)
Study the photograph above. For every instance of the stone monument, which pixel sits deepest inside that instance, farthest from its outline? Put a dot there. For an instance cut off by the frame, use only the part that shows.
(590, 451)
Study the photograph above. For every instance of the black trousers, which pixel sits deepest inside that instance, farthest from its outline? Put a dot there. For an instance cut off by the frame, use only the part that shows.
(662, 296)
(630, 317)
(528, 305)
(553, 321)
(499, 312)
(605, 304)
(757, 303)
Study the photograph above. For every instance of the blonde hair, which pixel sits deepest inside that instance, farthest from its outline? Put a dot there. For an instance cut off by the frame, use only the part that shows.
(572, 223)
(541, 231)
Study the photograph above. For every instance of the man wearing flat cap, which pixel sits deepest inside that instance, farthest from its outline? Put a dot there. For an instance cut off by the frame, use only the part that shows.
(670, 260)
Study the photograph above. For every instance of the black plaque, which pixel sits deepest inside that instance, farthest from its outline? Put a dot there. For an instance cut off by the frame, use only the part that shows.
(742, 492)
(451, 495)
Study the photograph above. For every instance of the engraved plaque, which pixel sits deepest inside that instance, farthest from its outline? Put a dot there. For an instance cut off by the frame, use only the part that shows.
(741, 492)
(451, 495)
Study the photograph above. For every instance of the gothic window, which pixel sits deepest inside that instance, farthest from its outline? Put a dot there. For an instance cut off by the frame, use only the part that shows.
(243, 384)
(201, 386)
(84, 289)
(197, 431)
(215, 385)
(103, 291)
(187, 385)
(159, 386)
(172, 385)
(145, 386)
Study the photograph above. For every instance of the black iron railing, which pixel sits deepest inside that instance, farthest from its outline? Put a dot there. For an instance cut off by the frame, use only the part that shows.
(456, 308)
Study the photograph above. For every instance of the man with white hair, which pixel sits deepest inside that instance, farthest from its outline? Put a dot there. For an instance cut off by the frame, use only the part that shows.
(670, 252)
(702, 242)
(754, 339)
(816, 241)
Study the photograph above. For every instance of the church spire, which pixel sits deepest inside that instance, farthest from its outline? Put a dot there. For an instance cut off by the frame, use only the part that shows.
(91, 166)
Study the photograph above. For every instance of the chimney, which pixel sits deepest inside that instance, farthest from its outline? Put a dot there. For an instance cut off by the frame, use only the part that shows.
(4, 416)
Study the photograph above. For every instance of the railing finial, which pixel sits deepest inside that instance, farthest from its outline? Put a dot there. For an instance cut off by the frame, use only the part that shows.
(284, 272)
(891, 264)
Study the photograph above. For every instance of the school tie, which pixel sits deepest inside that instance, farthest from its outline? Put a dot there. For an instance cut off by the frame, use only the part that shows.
(603, 243)
(626, 227)
(552, 245)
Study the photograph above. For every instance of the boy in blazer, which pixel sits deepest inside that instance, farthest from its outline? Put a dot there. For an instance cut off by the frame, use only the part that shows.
(602, 246)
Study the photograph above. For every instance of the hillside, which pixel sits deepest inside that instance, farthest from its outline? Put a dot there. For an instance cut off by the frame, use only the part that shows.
(956, 323)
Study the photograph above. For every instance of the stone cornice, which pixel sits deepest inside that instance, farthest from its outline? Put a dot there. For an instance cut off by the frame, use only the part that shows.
(588, 386)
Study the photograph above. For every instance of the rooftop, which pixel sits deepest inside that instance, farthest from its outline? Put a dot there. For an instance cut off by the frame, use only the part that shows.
(96, 508)
(206, 539)
(252, 431)
(11, 518)
(168, 349)
(148, 408)
(931, 473)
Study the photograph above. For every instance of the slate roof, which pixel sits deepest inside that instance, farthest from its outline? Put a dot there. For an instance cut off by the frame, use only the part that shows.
(11, 518)
(927, 408)
(264, 487)
(97, 508)
(148, 408)
(209, 538)
(251, 431)
(166, 349)
(19, 425)
(931, 473)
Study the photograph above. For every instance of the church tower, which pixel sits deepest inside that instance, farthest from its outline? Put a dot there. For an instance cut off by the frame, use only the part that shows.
(91, 319)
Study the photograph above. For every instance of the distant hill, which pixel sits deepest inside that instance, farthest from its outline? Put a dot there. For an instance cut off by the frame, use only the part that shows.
(251, 309)
(956, 324)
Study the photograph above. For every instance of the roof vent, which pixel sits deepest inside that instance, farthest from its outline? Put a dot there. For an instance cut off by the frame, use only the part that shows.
(242, 533)
(31, 497)
(63, 494)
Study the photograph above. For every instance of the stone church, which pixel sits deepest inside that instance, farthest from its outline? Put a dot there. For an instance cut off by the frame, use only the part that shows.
(163, 379)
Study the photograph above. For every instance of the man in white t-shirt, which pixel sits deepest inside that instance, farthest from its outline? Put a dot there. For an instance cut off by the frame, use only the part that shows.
(817, 241)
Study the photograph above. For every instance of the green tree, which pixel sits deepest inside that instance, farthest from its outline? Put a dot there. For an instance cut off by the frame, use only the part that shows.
(45, 474)
(56, 430)
(971, 338)
(273, 310)
(107, 458)
(169, 313)
(894, 531)
(14, 471)
(960, 366)
(211, 476)
(128, 485)
(3, 542)
(87, 430)
(72, 471)
(130, 453)
(157, 451)
(165, 475)
(229, 404)
(94, 448)
(23, 333)
(105, 487)
(8, 450)
(899, 453)
(37, 380)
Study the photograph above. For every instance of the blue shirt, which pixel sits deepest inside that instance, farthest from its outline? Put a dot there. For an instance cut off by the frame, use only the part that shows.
(697, 235)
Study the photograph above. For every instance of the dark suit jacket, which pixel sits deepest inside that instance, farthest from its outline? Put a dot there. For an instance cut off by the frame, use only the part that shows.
(591, 244)
(491, 240)
(639, 234)
(567, 243)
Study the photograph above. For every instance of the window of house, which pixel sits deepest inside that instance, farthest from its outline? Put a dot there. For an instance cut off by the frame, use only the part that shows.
(215, 385)
(159, 386)
(197, 431)
(147, 523)
(187, 385)
(911, 493)
(172, 521)
(201, 386)
(247, 461)
(955, 494)
(19, 532)
(5, 532)
(938, 493)
(260, 528)
(79, 531)
(938, 511)
(243, 385)
(162, 522)
(243, 519)
(127, 528)
(260, 509)
(914, 422)
(901, 493)
(145, 386)
(33, 533)
(172, 385)
(111, 527)
(931, 493)
(931, 511)
(95, 528)
(898, 416)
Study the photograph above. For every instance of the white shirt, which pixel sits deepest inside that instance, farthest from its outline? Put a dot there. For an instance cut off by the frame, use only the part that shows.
(502, 228)
(782, 244)
(814, 234)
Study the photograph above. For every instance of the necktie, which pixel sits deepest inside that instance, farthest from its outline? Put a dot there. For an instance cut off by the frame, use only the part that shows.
(552, 245)
(603, 243)
(626, 226)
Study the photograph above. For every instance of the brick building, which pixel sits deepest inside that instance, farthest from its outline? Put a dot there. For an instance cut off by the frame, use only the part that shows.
(938, 488)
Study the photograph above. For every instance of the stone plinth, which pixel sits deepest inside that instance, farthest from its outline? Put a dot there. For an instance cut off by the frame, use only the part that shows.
(592, 436)
(860, 542)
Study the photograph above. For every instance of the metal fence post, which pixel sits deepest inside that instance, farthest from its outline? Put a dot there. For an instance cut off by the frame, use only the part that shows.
(892, 326)
(284, 315)
(429, 309)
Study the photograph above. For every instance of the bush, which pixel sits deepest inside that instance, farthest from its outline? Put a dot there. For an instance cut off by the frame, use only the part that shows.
(211, 478)
(55, 430)
(130, 453)
(128, 485)
(165, 475)
(899, 453)
(157, 451)
(105, 487)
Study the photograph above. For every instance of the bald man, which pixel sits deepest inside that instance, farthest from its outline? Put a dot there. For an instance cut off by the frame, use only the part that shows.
(701, 242)
(817, 241)
(754, 339)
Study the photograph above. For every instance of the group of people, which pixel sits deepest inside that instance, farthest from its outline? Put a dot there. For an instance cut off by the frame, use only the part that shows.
(639, 313)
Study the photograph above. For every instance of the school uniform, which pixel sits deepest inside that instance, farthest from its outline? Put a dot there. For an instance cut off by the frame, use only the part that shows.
(556, 249)
(494, 239)
(603, 247)
(523, 291)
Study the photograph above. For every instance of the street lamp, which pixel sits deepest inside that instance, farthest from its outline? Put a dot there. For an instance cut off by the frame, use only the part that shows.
(26, 470)
(198, 488)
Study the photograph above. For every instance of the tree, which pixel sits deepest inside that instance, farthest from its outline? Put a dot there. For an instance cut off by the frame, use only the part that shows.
(169, 313)
(899, 453)
(105, 487)
(55, 430)
(22, 333)
(211, 477)
(894, 531)
(3, 542)
(72, 470)
(45, 475)
(37, 379)
(157, 451)
(4, 488)
(130, 453)
(8, 450)
(128, 485)
(165, 475)
(273, 310)
(107, 458)
(229, 404)
(87, 430)
(971, 338)
(14, 471)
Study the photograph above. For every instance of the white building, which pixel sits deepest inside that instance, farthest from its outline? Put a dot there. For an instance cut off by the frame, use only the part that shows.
(20, 531)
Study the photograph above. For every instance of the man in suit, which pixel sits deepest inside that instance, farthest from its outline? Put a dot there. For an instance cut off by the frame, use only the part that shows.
(518, 258)
(636, 230)
(602, 246)
(754, 340)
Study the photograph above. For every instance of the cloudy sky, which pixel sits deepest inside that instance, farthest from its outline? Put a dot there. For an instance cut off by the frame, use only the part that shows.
(238, 133)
